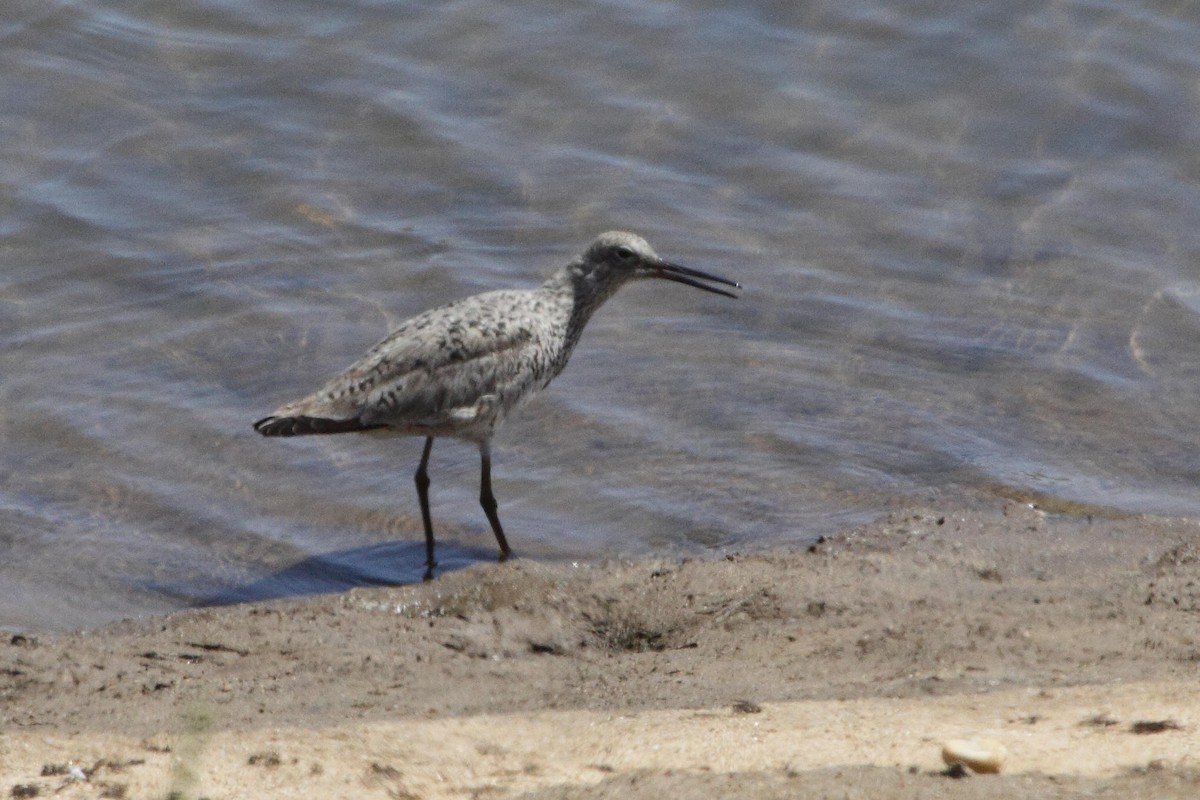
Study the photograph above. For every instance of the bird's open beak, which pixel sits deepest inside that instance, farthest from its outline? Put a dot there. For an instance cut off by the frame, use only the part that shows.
(691, 277)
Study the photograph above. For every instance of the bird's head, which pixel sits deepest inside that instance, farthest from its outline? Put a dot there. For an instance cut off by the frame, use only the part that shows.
(616, 257)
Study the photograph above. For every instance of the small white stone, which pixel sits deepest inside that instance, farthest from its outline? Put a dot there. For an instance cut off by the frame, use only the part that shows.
(978, 755)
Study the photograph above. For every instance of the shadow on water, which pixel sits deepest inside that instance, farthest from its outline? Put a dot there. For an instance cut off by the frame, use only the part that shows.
(385, 564)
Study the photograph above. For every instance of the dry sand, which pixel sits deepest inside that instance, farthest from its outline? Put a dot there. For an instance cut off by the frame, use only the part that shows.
(832, 671)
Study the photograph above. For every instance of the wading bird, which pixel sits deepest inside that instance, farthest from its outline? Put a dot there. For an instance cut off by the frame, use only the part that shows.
(458, 370)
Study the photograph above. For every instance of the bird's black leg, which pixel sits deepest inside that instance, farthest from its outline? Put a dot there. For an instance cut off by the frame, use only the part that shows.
(488, 500)
(422, 479)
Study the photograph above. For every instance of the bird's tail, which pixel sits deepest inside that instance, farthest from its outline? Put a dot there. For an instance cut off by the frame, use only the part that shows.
(305, 426)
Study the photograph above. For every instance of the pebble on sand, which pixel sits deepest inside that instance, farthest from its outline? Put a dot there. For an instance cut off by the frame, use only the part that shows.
(977, 755)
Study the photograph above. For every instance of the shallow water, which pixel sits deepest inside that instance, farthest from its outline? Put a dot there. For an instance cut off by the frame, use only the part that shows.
(969, 239)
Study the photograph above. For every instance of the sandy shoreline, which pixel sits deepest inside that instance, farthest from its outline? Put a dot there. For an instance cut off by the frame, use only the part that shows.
(839, 669)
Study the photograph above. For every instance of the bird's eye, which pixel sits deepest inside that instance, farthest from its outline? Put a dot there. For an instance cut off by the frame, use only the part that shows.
(624, 253)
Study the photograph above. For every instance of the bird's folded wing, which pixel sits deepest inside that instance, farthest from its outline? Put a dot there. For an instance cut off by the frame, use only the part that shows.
(432, 370)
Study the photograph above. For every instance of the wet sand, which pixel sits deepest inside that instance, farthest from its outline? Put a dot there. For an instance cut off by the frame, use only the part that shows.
(836, 670)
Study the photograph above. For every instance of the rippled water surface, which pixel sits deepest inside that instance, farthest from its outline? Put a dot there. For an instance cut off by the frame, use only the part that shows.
(970, 237)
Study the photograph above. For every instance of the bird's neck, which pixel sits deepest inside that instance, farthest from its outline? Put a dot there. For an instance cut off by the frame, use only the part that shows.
(578, 292)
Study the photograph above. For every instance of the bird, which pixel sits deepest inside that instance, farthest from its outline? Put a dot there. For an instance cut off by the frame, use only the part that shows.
(458, 370)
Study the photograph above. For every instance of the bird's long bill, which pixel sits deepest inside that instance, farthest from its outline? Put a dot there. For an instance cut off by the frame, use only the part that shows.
(692, 277)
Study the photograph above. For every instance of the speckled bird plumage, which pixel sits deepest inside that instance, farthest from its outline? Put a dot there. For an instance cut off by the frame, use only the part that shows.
(458, 370)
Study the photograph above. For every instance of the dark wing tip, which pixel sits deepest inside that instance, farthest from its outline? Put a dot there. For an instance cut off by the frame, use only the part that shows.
(274, 426)
(303, 426)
